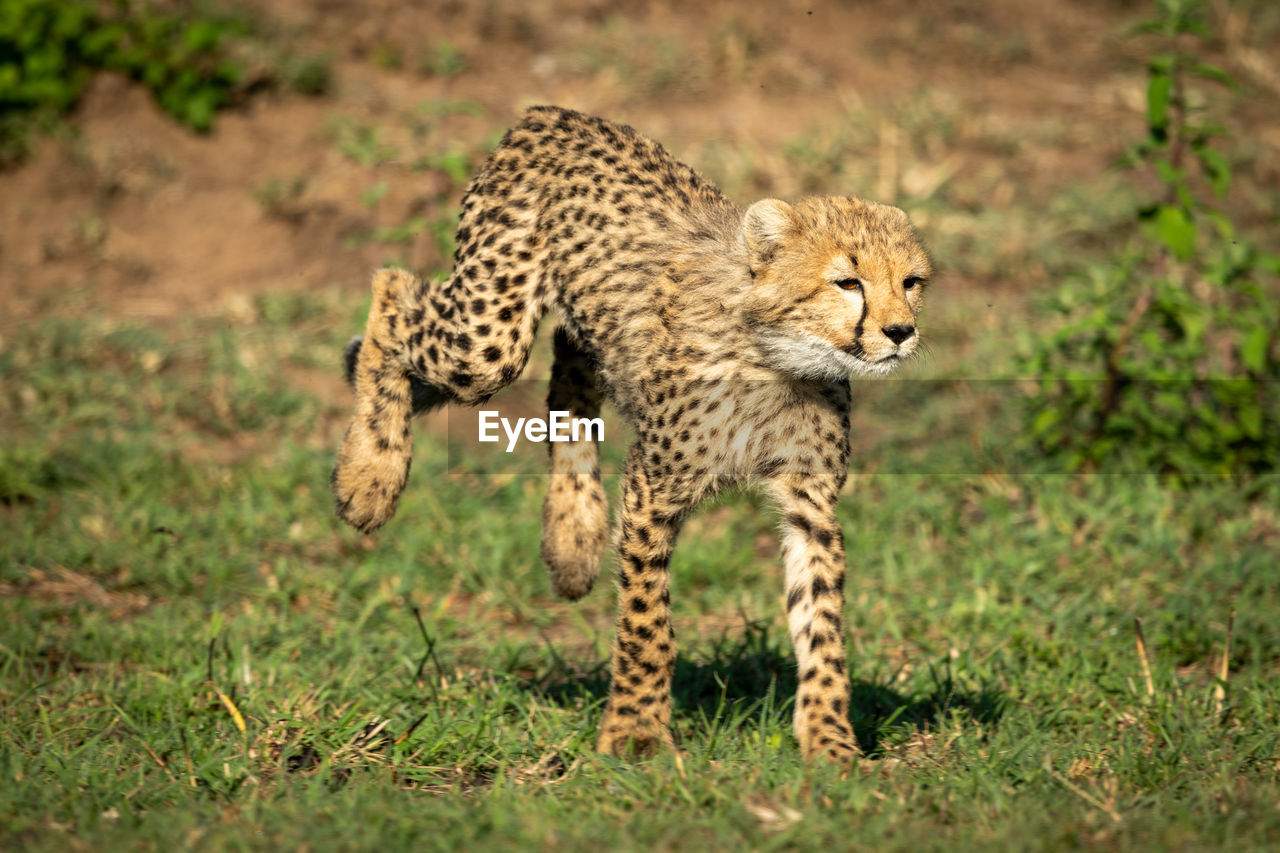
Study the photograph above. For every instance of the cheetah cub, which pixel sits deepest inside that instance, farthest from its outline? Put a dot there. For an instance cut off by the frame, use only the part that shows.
(725, 338)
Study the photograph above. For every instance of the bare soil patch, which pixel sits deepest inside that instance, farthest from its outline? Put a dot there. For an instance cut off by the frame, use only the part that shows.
(135, 215)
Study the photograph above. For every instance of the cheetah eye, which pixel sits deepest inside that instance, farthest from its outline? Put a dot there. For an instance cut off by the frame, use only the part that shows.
(849, 284)
(910, 282)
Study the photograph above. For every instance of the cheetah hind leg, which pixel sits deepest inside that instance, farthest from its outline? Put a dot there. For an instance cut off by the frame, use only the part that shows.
(424, 397)
(575, 514)
(373, 462)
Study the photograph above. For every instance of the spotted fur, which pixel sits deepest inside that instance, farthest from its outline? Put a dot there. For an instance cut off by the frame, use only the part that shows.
(726, 338)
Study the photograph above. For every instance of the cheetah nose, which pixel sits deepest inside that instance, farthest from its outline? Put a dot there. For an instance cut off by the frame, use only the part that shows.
(898, 333)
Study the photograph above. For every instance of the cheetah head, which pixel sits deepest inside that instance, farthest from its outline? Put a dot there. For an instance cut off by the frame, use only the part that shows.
(836, 285)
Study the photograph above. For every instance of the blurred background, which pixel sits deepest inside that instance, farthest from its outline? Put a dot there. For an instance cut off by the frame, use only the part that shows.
(164, 161)
(331, 137)
(193, 197)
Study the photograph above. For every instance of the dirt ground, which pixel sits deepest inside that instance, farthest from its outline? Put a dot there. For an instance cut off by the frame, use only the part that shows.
(134, 215)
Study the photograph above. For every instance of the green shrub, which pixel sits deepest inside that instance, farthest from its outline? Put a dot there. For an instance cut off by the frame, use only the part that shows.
(50, 48)
(1166, 359)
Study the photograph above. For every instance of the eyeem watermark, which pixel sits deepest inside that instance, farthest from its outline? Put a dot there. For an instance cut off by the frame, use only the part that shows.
(559, 426)
(483, 442)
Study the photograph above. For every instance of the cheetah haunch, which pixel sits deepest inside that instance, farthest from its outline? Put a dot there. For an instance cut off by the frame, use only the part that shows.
(725, 338)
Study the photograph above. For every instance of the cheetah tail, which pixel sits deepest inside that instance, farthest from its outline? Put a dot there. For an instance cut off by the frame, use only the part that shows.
(373, 461)
(575, 528)
(575, 515)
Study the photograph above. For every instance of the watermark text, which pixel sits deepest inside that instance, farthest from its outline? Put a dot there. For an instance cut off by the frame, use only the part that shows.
(559, 426)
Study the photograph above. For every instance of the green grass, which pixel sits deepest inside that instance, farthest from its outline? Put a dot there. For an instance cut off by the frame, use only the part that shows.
(166, 536)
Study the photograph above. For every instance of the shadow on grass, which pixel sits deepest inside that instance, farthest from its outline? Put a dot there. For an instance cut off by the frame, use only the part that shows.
(749, 679)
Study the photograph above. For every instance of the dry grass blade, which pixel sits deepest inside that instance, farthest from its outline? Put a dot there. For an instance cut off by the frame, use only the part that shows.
(1083, 794)
(1220, 689)
(157, 759)
(236, 716)
(1142, 657)
(773, 818)
(412, 727)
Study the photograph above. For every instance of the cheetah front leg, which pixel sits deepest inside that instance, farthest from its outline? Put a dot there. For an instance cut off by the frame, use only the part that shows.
(637, 718)
(813, 552)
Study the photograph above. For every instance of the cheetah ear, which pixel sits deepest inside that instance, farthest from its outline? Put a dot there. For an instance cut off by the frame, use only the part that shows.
(765, 225)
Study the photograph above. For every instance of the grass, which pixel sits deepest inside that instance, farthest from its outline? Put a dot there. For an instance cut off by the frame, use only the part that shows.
(169, 554)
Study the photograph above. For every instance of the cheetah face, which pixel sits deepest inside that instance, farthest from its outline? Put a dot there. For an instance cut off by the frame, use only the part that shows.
(837, 284)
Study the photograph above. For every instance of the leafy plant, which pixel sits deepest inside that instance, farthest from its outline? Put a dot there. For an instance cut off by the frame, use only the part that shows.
(281, 198)
(444, 59)
(45, 50)
(182, 60)
(1167, 358)
(361, 143)
(49, 49)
